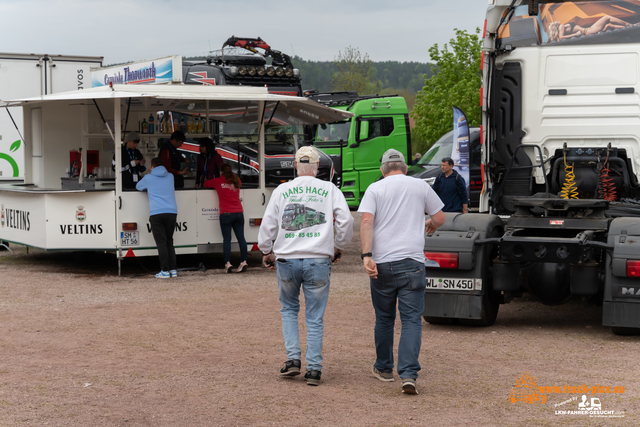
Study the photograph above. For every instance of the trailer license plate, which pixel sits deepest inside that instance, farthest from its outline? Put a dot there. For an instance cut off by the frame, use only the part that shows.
(449, 284)
(129, 238)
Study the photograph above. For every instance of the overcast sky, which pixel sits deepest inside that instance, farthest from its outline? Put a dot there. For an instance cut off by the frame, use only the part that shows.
(135, 30)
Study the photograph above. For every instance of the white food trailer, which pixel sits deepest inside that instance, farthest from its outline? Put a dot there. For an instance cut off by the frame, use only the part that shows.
(98, 215)
(23, 75)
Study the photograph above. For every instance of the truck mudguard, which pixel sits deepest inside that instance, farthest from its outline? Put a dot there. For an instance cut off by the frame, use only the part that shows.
(621, 303)
(462, 234)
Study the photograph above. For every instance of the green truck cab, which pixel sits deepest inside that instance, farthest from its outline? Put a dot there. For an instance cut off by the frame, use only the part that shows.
(357, 145)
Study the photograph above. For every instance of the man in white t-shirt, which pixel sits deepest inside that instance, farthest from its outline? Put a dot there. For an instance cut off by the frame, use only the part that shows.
(302, 212)
(392, 230)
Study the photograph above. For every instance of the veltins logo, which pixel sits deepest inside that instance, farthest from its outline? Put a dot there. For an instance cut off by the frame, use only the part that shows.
(81, 215)
(2, 215)
(526, 390)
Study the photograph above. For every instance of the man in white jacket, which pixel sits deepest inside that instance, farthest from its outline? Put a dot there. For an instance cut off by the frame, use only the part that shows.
(302, 213)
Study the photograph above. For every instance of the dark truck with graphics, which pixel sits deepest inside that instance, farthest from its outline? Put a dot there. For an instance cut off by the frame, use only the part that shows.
(297, 216)
(240, 62)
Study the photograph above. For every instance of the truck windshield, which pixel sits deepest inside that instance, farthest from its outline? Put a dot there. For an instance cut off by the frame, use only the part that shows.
(573, 22)
(439, 150)
(329, 135)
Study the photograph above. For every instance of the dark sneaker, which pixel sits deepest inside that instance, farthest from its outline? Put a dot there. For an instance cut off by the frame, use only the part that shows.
(291, 368)
(312, 377)
(409, 386)
(382, 376)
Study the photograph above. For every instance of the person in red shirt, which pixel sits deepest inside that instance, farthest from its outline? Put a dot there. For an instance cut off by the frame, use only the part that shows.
(231, 216)
(209, 162)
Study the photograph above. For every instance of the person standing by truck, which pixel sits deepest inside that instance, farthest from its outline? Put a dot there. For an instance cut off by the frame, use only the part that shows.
(451, 188)
(209, 162)
(171, 159)
(163, 212)
(302, 258)
(231, 216)
(132, 162)
(392, 236)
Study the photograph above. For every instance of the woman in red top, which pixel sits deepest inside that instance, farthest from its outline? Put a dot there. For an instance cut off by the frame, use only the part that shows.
(231, 216)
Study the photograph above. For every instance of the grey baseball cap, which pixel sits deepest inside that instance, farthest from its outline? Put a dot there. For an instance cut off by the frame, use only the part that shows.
(392, 155)
(132, 136)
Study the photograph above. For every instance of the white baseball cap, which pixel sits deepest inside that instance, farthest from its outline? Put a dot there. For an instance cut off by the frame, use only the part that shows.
(307, 154)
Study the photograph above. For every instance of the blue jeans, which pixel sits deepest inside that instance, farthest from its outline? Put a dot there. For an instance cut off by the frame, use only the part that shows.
(405, 282)
(313, 275)
(227, 222)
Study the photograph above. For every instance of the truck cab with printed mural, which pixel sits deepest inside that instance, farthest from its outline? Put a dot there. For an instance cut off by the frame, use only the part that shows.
(560, 164)
(297, 216)
(357, 145)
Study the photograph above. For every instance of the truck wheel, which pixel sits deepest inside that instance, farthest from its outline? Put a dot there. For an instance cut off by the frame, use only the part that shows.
(441, 320)
(491, 298)
(2, 248)
(619, 330)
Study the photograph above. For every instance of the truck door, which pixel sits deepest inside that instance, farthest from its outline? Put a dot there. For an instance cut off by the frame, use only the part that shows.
(372, 136)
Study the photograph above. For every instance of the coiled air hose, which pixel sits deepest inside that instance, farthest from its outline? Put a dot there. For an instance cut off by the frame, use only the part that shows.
(569, 190)
(606, 184)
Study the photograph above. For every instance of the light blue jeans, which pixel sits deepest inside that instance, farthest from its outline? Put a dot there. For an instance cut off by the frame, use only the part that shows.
(313, 275)
(402, 282)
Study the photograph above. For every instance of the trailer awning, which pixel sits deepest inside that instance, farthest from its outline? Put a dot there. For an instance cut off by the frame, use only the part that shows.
(229, 103)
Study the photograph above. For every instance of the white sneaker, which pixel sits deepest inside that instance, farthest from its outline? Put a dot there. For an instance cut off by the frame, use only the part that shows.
(242, 267)
(163, 275)
(228, 267)
(173, 273)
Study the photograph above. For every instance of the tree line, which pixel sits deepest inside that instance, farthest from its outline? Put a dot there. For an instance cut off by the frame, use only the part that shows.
(390, 75)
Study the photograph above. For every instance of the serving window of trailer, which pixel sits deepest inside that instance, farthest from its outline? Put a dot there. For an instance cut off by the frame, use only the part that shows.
(239, 151)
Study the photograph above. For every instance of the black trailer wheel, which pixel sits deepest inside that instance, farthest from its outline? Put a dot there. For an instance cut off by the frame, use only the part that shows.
(441, 320)
(491, 298)
(619, 330)
(2, 245)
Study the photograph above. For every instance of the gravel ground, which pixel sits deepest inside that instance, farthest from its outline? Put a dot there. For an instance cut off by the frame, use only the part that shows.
(81, 346)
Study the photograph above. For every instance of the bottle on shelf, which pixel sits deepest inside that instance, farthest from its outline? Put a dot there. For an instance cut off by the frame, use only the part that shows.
(166, 126)
(183, 125)
(201, 126)
(151, 126)
(176, 124)
(145, 127)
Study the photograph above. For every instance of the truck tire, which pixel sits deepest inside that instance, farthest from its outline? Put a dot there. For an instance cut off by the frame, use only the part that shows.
(622, 331)
(491, 298)
(3, 248)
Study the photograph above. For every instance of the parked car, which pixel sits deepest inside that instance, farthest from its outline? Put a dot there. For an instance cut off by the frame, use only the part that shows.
(428, 168)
